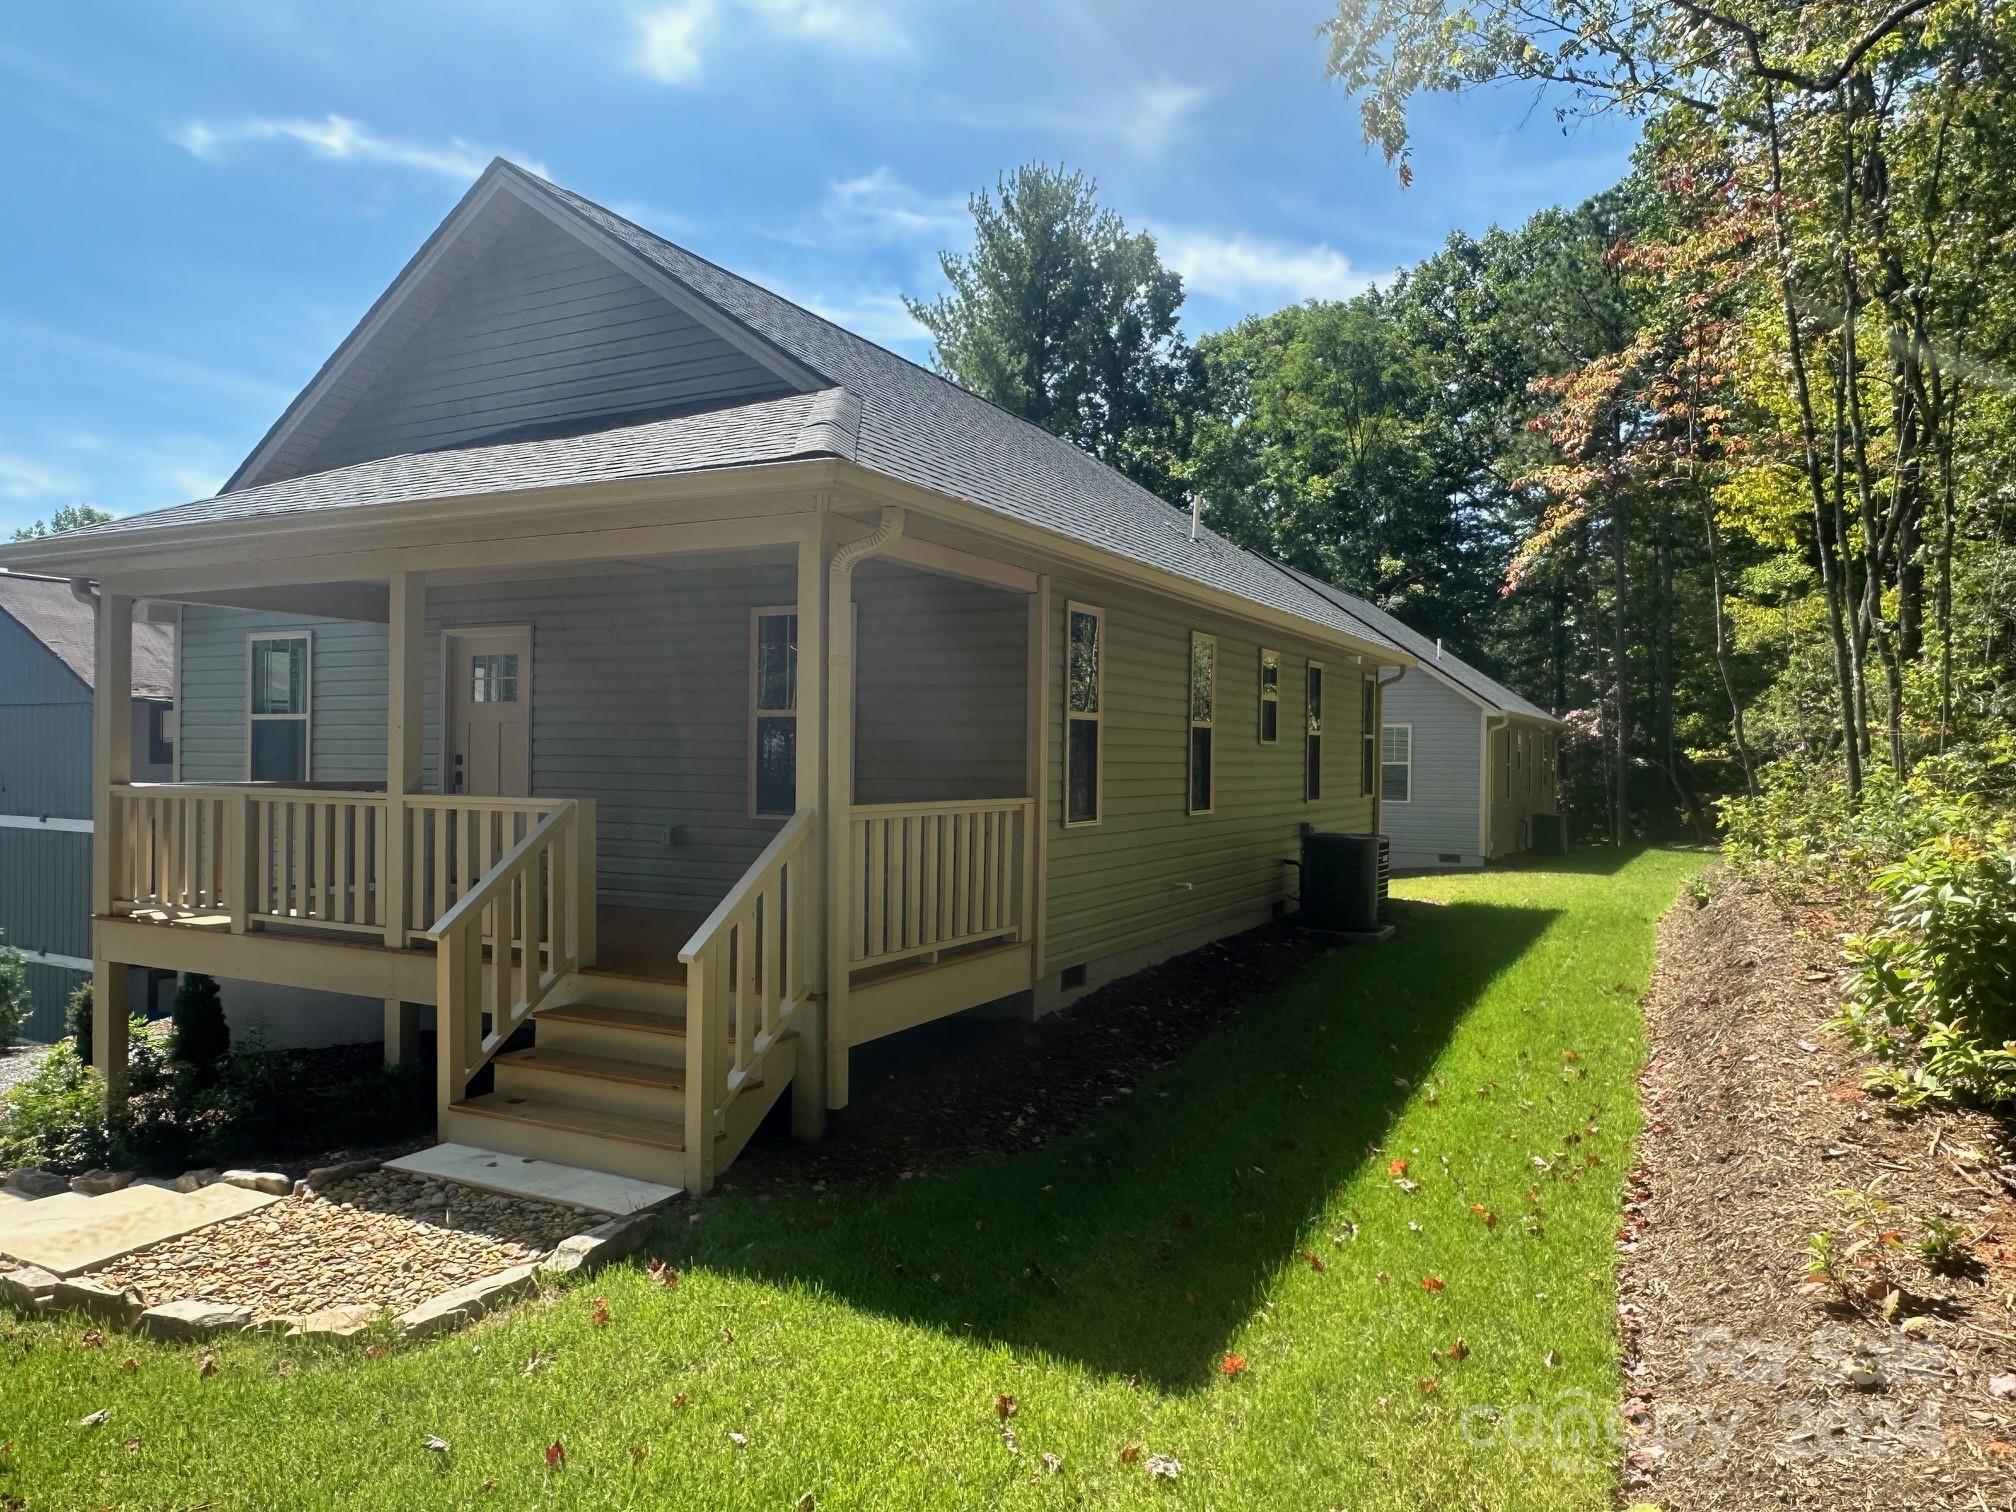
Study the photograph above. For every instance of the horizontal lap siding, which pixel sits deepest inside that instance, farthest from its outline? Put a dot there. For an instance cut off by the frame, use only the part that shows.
(1524, 792)
(1441, 817)
(542, 330)
(641, 702)
(1150, 870)
(347, 694)
(940, 713)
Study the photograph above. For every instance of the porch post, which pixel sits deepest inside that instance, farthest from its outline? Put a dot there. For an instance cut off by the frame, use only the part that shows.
(1036, 843)
(111, 763)
(808, 1080)
(405, 681)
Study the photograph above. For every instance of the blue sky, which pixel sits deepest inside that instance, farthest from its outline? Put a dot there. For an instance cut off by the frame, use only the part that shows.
(202, 198)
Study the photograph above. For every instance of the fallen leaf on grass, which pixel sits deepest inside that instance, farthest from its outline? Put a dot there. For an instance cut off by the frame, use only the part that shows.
(739, 1440)
(93, 1339)
(376, 1351)
(679, 1400)
(599, 1310)
(536, 1362)
(1490, 1218)
(1315, 1260)
(1054, 1463)
(1005, 1406)
(1430, 1385)
(436, 1444)
(129, 1365)
(1397, 1166)
(95, 1419)
(1382, 1278)
(1457, 1351)
(1130, 1453)
(1165, 1466)
(1552, 1359)
(637, 1453)
(207, 1366)
(133, 1446)
(1431, 1283)
(805, 1503)
(1232, 1365)
(662, 1273)
(556, 1455)
(489, 1484)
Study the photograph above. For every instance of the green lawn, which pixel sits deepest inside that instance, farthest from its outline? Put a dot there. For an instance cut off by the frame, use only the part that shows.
(859, 1343)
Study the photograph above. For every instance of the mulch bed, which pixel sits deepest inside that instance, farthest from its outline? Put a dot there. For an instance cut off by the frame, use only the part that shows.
(964, 1088)
(382, 1239)
(1747, 1389)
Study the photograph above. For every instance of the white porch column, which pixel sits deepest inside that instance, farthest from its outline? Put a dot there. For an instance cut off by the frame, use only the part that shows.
(111, 762)
(808, 1080)
(405, 681)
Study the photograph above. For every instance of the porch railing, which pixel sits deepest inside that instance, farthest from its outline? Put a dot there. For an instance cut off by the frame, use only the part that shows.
(749, 970)
(930, 877)
(316, 858)
(505, 944)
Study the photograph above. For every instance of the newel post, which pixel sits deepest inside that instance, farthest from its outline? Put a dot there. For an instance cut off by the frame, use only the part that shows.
(405, 678)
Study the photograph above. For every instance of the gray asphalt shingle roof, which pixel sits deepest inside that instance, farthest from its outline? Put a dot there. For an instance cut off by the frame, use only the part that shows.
(881, 412)
(1427, 651)
(47, 609)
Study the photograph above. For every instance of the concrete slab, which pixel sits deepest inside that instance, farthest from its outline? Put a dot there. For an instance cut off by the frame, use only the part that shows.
(535, 1180)
(82, 1237)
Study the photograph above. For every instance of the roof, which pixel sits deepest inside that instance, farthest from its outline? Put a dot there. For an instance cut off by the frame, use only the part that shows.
(1444, 664)
(864, 405)
(47, 609)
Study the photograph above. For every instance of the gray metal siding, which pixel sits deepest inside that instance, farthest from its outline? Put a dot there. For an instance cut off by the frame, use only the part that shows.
(45, 760)
(541, 330)
(1441, 815)
(30, 673)
(939, 710)
(49, 989)
(45, 885)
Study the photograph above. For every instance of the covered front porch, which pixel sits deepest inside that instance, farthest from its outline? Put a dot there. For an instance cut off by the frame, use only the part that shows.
(549, 786)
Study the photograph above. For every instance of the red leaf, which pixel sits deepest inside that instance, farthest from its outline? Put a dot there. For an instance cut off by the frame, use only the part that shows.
(1431, 1283)
(1429, 1386)
(1005, 1406)
(556, 1455)
(1130, 1454)
(1397, 1166)
(600, 1310)
(1232, 1365)
(662, 1273)
(1315, 1260)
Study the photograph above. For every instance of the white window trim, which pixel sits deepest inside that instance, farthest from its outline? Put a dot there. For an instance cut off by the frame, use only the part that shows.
(1269, 695)
(1097, 717)
(306, 717)
(1408, 763)
(756, 618)
(1315, 670)
(1197, 638)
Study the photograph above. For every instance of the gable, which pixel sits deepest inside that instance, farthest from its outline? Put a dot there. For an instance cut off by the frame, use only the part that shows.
(518, 328)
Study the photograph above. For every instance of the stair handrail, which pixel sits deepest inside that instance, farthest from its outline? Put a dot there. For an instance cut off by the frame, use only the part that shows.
(750, 953)
(543, 939)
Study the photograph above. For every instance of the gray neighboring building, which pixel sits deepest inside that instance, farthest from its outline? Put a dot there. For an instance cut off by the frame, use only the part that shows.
(1465, 763)
(46, 679)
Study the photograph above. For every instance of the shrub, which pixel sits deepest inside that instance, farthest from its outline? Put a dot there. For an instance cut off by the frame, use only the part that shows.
(56, 1118)
(77, 1020)
(13, 995)
(202, 1038)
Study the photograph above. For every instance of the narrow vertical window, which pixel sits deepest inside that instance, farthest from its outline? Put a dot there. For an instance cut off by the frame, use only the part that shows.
(1084, 690)
(277, 708)
(1203, 698)
(773, 711)
(1312, 739)
(1396, 763)
(1368, 733)
(1270, 696)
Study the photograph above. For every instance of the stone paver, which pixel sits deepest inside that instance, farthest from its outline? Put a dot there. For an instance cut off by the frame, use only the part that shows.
(536, 1180)
(72, 1234)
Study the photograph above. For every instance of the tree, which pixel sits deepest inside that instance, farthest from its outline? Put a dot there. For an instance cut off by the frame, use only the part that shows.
(1061, 315)
(68, 517)
(202, 1037)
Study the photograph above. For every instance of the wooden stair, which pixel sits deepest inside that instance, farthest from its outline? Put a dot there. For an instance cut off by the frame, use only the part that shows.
(603, 1086)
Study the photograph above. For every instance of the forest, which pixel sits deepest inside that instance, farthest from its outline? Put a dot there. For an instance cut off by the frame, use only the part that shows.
(1717, 464)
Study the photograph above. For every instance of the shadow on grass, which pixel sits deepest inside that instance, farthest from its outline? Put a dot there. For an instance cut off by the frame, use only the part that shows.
(1141, 1244)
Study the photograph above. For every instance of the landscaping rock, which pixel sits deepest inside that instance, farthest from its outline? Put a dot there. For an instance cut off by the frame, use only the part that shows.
(343, 1170)
(465, 1304)
(195, 1181)
(32, 1181)
(98, 1183)
(105, 1303)
(599, 1246)
(274, 1182)
(27, 1287)
(335, 1322)
(192, 1320)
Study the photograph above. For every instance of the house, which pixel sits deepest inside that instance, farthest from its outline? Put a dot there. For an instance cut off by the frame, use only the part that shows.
(46, 682)
(1465, 762)
(669, 692)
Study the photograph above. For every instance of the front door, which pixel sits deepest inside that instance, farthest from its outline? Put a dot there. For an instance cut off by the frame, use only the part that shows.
(488, 752)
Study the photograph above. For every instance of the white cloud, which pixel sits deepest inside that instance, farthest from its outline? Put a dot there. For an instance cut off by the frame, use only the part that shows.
(23, 478)
(1255, 269)
(881, 207)
(1145, 119)
(339, 139)
(673, 40)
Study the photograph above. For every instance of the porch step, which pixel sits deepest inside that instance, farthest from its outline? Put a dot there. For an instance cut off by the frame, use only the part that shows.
(649, 1149)
(611, 1084)
(647, 1039)
(602, 1015)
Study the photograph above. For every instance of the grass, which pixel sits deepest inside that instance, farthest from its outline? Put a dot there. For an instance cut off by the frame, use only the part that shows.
(859, 1343)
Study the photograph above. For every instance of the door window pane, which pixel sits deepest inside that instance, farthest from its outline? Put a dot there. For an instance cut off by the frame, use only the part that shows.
(279, 676)
(1082, 799)
(1200, 769)
(777, 661)
(493, 677)
(776, 764)
(279, 750)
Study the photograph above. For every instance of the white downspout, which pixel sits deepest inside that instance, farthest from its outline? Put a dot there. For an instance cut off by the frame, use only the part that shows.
(1379, 748)
(840, 786)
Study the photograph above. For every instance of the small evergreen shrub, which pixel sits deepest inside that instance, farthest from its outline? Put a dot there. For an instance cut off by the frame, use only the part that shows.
(77, 1020)
(13, 995)
(202, 1038)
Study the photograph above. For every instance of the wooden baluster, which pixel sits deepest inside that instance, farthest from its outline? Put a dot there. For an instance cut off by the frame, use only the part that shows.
(773, 955)
(422, 833)
(747, 993)
(1001, 823)
(559, 958)
(878, 878)
(444, 847)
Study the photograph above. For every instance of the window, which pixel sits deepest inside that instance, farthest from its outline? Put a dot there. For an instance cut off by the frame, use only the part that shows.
(1270, 696)
(277, 737)
(493, 677)
(160, 744)
(1396, 763)
(1203, 696)
(773, 711)
(1084, 685)
(1368, 732)
(1312, 739)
